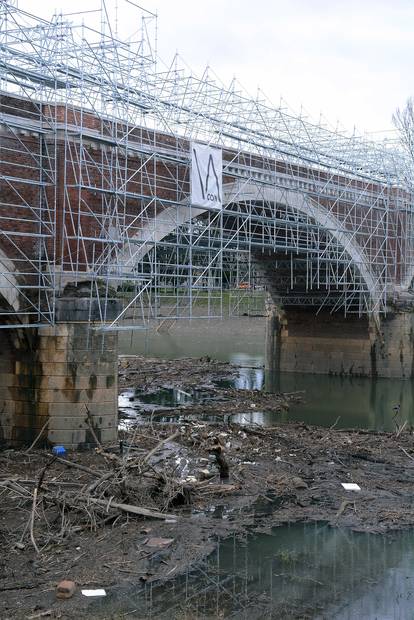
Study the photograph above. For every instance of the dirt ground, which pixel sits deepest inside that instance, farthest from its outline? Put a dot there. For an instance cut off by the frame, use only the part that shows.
(196, 481)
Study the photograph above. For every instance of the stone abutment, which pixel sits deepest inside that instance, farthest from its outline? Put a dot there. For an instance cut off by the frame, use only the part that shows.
(299, 340)
(57, 375)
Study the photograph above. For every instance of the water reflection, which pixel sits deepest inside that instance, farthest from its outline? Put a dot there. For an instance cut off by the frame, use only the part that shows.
(298, 571)
(360, 403)
(357, 402)
(216, 338)
(136, 405)
(343, 401)
(251, 374)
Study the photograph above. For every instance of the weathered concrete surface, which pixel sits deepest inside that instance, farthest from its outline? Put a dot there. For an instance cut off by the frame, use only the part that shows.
(18, 383)
(55, 375)
(300, 341)
(79, 371)
(393, 346)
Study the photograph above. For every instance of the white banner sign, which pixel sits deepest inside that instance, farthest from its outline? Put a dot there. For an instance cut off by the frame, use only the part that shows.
(206, 176)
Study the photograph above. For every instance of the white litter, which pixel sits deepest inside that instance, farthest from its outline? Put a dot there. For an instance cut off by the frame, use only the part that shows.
(98, 592)
(182, 392)
(351, 486)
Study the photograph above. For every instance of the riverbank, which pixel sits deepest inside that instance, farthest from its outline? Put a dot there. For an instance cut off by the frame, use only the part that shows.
(199, 479)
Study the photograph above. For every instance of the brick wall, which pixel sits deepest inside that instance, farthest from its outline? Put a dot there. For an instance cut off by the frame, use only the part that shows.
(87, 178)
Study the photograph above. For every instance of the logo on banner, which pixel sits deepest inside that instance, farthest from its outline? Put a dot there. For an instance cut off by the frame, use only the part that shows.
(206, 176)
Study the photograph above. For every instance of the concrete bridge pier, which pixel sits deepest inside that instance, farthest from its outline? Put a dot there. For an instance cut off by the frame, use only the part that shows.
(275, 333)
(299, 340)
(79, 373)
(56, 374)
(392, 348)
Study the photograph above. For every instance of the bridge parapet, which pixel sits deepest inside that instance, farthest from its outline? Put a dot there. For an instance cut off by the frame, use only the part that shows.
(68, 218)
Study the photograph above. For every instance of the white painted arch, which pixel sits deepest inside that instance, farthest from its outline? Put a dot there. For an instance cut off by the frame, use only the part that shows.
(8, 282)
(158, 228)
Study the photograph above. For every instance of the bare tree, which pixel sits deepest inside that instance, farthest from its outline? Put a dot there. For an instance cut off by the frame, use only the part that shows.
(403, 120)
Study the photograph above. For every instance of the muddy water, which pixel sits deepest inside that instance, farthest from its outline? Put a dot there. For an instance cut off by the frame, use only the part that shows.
(350, 402)
(300, 571)
(310, 571)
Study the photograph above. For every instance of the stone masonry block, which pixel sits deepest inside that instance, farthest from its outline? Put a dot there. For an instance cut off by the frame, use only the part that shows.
(53, 331)
(103, 409)
(79, 410)
(77, 438)
(79, 422)
(30, 421)
(6, 365)
(76, 396)
(6, 432)
(71, 368)
(66, 409)
(18, 393)
(8, 407)
(23, 407)
(69, 438)
(50, 355)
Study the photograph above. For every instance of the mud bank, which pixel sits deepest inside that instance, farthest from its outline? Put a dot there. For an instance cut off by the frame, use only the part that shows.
(84, 519)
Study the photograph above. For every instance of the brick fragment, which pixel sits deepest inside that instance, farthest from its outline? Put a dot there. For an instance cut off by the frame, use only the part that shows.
(65, 589)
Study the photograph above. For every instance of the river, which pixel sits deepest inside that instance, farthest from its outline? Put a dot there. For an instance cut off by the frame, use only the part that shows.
(347, 401)
(310, 571)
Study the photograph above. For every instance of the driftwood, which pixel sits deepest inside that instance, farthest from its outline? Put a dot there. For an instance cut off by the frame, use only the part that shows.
(222, 464)
(342, 507)
(103, 478)
(89, 422)
(32, 518)
(38, 436)
(128, 485)
(159, 445)
(14, 486)
(219, 489)
(406, 453)
(87, 470)
(136, 510)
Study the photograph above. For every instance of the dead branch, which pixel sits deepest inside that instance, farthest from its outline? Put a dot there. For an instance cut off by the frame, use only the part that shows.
(32, 518)
(137, 510)
(83, 468)
(159, 445)
(32, 445)
(89, 422)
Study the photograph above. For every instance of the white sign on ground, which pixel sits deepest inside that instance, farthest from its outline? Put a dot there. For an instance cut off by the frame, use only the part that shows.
(206, 176)
(351, 486)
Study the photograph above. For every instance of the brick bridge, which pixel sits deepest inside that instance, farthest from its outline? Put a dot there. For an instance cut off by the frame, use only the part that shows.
(87, 201)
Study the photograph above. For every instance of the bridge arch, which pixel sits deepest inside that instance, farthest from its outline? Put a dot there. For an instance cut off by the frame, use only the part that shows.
(8, 283)
(241, 191)
(302, 204)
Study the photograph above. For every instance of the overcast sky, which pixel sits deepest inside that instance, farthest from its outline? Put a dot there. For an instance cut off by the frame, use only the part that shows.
(352, 60)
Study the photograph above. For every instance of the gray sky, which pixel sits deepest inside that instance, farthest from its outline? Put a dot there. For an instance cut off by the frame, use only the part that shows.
(352, 60)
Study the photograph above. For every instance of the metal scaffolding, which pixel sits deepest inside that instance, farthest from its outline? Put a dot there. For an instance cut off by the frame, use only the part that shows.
(95, 195)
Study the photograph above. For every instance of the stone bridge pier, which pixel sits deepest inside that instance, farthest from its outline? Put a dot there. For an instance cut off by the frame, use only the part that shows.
(56, 375)
(299, 340)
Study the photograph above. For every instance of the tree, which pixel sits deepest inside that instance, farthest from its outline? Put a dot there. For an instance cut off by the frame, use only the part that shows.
(404, 122)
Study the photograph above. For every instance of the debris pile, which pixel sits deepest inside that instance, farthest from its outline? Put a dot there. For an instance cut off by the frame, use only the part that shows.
(207, 384)
(153, 373)
(153, 504)
(167, 471)
(66, 494)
